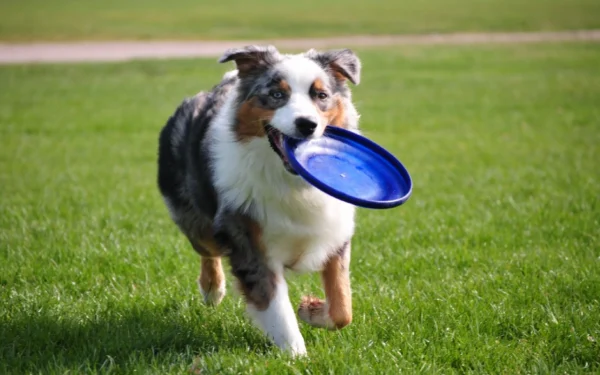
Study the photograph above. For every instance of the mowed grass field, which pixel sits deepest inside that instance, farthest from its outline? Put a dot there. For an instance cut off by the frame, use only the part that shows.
(35, 20)
(492, 266)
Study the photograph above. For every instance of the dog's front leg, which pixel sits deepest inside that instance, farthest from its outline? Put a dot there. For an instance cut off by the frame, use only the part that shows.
(277, 318)
(262, 285)
(336, 311)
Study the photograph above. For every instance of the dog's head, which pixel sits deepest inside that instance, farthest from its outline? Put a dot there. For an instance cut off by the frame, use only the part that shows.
(295, 95)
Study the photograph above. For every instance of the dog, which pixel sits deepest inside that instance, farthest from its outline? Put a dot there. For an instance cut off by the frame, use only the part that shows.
(229, 187)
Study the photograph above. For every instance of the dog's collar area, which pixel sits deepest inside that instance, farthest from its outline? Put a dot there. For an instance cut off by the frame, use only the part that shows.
(276, 142)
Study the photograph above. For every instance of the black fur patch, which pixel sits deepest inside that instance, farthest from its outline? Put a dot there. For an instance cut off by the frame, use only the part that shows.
(184, 175)
(248, 264)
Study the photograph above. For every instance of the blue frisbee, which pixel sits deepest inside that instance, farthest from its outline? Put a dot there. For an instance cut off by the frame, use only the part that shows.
(351, 168)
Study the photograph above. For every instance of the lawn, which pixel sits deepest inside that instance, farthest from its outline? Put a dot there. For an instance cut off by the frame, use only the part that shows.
(33, 20)
(492, 266)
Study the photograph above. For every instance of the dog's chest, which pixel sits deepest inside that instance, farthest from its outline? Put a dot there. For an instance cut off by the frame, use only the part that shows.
(304, 238)
(301, 226)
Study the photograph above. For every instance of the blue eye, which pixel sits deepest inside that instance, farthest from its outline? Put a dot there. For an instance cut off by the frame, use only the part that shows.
(276, 94)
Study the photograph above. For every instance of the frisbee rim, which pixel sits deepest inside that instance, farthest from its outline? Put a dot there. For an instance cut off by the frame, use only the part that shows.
(350, 138)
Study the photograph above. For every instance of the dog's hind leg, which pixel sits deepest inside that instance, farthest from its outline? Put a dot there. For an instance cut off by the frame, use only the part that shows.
(336, 311)
(212, 279)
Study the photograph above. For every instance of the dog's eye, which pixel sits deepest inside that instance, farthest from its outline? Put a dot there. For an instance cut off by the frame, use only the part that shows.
(276, 94)
(322, 95)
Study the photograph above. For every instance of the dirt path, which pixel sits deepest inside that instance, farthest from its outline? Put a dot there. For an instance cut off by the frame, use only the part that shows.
(123, 51)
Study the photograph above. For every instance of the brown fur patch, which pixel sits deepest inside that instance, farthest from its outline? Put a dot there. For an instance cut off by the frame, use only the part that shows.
(336, 280)
(319, 85)
(211, 273)
(338, 76)
(255, 232)
(336, 116)
(284, 86)
(245, 66)
(251, 120)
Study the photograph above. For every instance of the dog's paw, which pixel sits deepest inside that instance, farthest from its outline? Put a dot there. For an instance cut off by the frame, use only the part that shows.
(297, 350)
(315, 312)
(214, 295)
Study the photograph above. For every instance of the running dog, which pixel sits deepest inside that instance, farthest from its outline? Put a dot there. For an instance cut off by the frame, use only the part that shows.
(229, 187)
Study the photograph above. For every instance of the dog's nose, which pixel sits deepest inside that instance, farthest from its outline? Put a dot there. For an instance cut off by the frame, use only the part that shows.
(305, 126)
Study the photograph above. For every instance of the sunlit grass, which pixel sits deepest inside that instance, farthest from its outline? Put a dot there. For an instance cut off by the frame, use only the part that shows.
(491, 267)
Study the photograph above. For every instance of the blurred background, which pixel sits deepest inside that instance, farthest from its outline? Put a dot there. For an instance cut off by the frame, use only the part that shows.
(38, 20)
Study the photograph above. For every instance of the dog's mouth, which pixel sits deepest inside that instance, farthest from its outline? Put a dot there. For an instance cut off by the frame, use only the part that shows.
(276, 141)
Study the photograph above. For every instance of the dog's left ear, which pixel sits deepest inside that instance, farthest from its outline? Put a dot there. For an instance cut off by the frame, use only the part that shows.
(343, 63)
(251, 59)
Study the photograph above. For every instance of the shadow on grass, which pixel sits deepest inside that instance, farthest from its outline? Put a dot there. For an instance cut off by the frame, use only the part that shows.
(121, 339)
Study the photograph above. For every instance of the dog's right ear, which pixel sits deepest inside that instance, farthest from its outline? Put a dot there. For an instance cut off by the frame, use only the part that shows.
(342, 62)
(251, 59)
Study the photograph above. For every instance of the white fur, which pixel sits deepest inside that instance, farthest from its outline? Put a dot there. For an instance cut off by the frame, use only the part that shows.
(215, 296)
(230, 74)
(279, 322)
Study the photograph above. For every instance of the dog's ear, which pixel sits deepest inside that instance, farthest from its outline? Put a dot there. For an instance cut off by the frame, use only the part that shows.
(251, 59)
(343, 63)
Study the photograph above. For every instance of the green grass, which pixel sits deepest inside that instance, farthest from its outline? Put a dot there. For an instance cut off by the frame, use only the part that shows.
(28, 20)
(493, 265)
